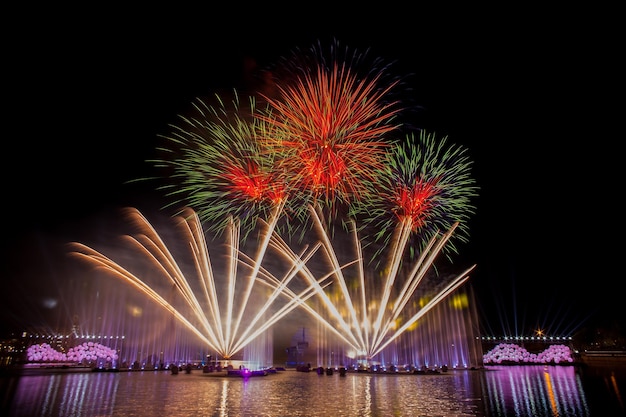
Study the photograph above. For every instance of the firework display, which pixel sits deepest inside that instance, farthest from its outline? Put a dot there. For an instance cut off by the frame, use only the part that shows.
(327, 138)
(323, 150)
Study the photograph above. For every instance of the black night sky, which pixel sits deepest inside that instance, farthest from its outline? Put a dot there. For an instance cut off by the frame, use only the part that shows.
(532, 96)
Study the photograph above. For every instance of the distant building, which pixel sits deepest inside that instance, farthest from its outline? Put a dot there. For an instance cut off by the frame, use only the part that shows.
(299, 353)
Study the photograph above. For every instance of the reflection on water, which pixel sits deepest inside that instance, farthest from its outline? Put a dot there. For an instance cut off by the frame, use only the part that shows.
(535, 390)
(285, 393)
(495, 391)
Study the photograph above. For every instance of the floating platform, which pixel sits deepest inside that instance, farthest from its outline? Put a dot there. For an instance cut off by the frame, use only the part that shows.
(245, 373)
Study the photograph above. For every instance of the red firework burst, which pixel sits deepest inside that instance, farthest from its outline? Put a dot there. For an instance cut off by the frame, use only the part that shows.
(253, 184)
(332, 127)
(414, 203)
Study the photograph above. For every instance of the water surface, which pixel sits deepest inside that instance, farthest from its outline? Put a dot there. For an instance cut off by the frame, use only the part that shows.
(493, 391)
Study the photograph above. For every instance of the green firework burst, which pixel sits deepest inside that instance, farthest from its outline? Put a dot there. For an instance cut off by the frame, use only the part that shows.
(426, 185)
(217, 165)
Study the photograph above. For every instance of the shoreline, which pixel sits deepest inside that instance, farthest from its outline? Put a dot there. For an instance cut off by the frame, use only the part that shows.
(599, 359)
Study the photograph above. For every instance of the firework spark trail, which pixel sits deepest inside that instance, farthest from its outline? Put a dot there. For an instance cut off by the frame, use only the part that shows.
(152, 246)
(223, 337)
(373, 344)
(93, 257)
(317, 286)
(230, 298)
(421, 266)
(418, 272)
(396, 258)
(203, 266)
(257, 264)
(280, 287)
(362, 287)
(352, 331)
(449, 289)
(332, 257)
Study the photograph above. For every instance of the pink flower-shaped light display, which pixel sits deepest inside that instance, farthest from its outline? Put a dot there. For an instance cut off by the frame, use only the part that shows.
(509, 353)
(89, 351)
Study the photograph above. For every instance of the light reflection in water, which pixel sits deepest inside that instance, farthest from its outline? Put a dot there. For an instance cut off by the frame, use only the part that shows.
(64, 394)
(367, 403)
(535, 390)
(495, 391)
(145, 393)
(615, 389)
(224, 399)
(550, 390)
